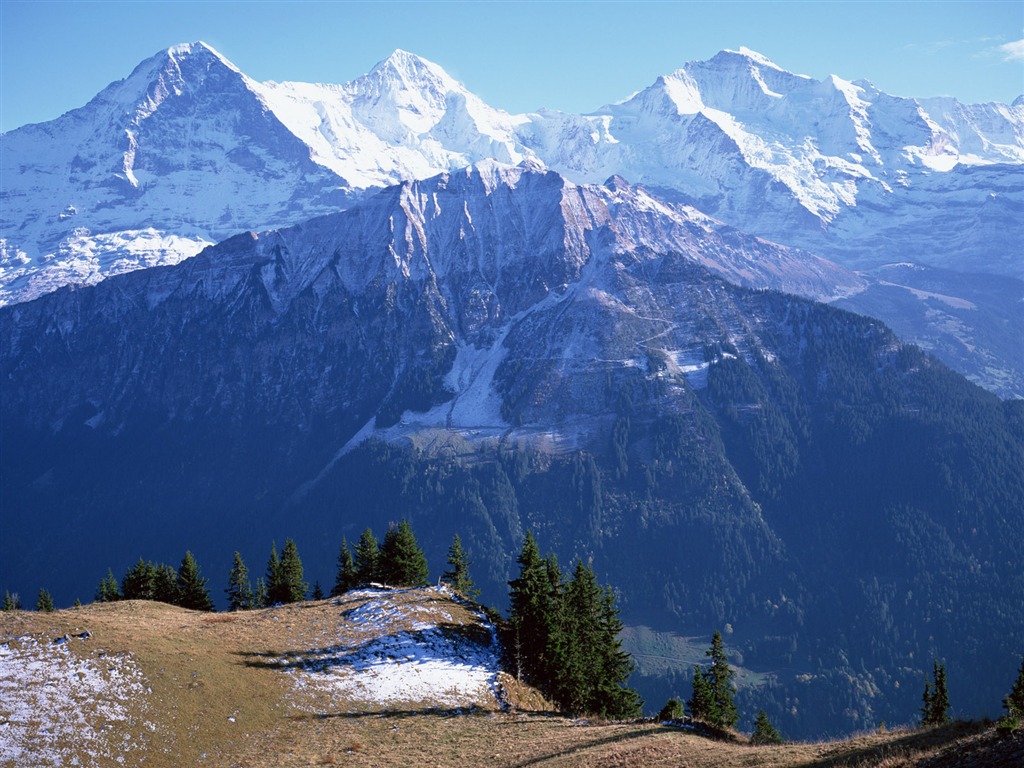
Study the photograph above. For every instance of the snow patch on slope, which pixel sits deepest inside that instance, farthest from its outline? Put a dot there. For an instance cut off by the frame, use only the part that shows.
(390, 651)
(59, 702)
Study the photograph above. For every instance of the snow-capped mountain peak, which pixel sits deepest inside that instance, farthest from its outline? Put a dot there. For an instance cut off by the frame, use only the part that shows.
(759, 58)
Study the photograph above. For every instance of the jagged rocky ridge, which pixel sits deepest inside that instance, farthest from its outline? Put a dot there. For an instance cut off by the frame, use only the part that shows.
(498, 349)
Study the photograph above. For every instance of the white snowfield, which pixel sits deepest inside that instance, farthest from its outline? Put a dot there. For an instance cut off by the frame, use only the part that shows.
(61, 697)
(387, 651)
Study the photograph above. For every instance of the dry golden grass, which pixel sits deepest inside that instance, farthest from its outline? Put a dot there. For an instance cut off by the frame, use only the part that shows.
(204, 669)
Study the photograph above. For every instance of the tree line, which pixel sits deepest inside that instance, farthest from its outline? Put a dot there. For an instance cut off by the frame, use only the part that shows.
(561, 634)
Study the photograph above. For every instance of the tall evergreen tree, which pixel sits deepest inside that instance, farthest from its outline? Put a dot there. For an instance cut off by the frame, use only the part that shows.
(764, 731)
(530, 614)
(317, 593)
(259, 594)
(292, 589)
(8, 601)
(44, 602)
(1014, 700)
(589, 664)
(239, 591)
(616, 700)
(139, 581)
(165, 585)
(702, 702)
(367, 558)
(192, 591)
(935, 701)
(457, 575)
(108, 590)
(926, 702)
(347, 577)
(402, 563)
(274, 579)
(720, 677)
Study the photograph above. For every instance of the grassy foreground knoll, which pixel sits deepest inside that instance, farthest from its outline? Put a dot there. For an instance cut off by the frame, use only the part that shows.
(371, 679)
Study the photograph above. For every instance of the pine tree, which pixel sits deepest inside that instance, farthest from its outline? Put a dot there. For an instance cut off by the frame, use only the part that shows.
(348, 577)
(402, 563)
(165, 585)
(457, 575)
(702, 704)
(564, 637)
(44, 602)
(673, 710)
(139, 582)
(78, 602)
(720, 679)
(574, 652)
(259, 594)
(615, 699)
(291, 587)
(935, 701)
(530, 614)
(1014, 701)
(192, 591)
(595, 669)
(108, 590)
(367, 558)
(239, 591)
(318, 593)
(926, 702)
(764, 731)
(274, 580)
(8, 601)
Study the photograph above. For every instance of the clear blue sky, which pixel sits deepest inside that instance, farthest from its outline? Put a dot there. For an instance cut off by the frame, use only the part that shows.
(574, 56)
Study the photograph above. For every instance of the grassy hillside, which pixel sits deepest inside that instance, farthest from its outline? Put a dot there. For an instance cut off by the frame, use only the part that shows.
(374, 678)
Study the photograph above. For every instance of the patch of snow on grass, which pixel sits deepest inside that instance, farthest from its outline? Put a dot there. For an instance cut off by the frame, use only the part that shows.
(392, 652)
(58, 707)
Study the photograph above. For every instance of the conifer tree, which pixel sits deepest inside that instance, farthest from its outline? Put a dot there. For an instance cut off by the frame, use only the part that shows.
(530, 614)
(935, 701)
(764, 731)
(1014, 700)
(44, 602)
(78, 602)
(274, 580)
(8, 601)
(108, 591)
(617, 701)
(367, 558)
(259, 594)
(457, 575)
(239, 591)
(165, 585)
(317, 593)
(589, 663)
(573, 644)
(720, 679)
(192, 591)
(702, 703)
(673, 710)
(347, 577)
(402, 563)
(139, 581)
(292, 589)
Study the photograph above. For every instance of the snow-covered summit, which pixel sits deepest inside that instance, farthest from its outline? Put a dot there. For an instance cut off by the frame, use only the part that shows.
(188, 150)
